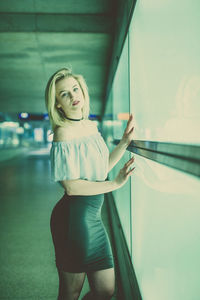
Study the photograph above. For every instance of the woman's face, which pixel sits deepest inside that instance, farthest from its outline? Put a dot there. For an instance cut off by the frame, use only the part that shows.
(70, 97)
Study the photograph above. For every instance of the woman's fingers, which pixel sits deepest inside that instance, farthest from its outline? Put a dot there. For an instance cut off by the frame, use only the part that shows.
(129, 125)
(130, 171)
(127, 166)
(129, 162)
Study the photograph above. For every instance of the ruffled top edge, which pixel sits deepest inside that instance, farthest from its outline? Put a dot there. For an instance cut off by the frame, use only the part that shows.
(77, 139)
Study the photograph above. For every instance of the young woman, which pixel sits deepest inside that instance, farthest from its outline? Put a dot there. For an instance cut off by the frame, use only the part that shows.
(80, 161)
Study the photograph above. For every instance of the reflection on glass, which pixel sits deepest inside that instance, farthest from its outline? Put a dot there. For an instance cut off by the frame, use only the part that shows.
(165, 231)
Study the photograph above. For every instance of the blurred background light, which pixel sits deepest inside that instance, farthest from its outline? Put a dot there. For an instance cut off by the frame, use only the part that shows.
(10, 124)
(123, 116)
(27, 126)
(23, 115)
(38, 134)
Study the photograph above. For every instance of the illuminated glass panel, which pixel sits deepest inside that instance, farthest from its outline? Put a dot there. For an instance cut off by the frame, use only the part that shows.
(165, 70)
(165, 231)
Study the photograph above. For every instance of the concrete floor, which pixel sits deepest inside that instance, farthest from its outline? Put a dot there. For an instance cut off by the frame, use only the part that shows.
(26, 254)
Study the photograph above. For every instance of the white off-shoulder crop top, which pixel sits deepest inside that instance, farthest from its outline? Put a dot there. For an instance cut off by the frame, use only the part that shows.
(80, 158)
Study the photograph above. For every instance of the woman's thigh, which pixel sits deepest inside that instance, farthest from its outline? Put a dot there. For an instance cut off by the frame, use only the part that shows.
(102, 283)
(70, 284)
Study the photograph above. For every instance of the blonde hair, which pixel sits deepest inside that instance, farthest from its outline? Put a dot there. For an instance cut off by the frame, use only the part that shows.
(56, 116)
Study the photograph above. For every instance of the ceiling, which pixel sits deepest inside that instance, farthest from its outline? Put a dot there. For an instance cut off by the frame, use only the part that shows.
(37, 37)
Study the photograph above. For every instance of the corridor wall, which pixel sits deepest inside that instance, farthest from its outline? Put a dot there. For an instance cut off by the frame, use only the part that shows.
(158, 80)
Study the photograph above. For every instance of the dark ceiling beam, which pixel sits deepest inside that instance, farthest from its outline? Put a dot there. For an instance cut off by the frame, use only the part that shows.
(124, 15)
(37, 22)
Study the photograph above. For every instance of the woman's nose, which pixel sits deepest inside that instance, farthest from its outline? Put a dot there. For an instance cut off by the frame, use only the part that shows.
(71, 95)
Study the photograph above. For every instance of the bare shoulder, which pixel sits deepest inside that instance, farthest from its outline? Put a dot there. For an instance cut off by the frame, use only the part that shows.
(61, 134)
(92, 125)
(87, 127)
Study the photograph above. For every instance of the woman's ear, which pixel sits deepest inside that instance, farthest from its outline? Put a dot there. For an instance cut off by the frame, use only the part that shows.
(58, 104)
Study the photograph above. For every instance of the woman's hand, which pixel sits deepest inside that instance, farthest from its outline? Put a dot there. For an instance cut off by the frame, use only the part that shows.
(124, 173)
(128, 132)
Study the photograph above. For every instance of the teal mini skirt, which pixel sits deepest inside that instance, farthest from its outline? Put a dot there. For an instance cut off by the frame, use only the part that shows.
(80, 239)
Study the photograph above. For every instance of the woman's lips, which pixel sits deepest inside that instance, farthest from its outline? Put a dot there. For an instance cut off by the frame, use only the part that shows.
(75, 103)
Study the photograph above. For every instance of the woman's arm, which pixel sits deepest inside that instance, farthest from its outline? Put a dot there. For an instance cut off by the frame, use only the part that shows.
(85, 187)
(116, 155)
(119, 150)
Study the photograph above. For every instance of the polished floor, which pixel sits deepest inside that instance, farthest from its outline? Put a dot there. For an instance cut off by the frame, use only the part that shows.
(27, 197)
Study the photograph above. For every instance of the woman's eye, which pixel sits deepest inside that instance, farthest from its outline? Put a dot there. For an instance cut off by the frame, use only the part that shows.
(76, 89)
(64, 95)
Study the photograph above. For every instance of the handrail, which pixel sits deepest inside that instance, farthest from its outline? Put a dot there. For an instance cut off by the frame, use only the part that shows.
(182, 157)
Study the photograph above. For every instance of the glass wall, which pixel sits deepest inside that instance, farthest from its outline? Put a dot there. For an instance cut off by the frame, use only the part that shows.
(158, 80)
(165, 70)
(120, 104)
(165, 231)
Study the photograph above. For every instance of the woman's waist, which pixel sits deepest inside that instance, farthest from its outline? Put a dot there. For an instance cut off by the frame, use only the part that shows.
(84, 198)
(81, 205)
